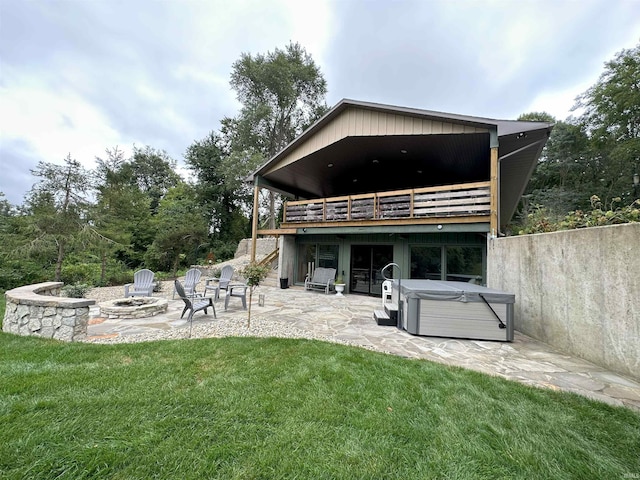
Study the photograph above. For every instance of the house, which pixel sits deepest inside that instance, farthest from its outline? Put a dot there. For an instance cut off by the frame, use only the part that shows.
(370, 184)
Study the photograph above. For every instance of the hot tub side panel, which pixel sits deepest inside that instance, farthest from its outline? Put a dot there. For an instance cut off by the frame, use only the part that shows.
(464, 320)
(442, 314)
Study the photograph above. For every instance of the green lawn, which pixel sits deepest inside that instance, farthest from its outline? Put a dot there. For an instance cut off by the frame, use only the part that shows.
(3, 304)
(269, 408)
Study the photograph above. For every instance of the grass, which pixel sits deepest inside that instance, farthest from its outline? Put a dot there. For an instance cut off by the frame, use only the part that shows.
(3, 305)
(279, 408)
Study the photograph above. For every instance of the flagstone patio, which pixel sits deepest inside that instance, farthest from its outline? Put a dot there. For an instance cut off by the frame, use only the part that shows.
(348, 319)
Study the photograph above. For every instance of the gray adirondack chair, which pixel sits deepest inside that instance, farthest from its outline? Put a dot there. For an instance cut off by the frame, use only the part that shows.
(193, 305)
(221, 283)
(191, 280)
(236, 290)
(142, 285)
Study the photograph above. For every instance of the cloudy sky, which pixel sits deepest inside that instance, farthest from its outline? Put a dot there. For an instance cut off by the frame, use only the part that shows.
(80, 76)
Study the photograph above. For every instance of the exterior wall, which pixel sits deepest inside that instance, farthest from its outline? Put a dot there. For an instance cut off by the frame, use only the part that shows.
(38, 310)
(401, 247)
(576, 290)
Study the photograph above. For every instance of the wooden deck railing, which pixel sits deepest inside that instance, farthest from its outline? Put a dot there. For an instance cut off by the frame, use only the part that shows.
(470, 199)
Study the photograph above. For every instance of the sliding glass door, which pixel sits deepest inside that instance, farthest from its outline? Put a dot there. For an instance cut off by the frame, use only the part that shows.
(366, 263)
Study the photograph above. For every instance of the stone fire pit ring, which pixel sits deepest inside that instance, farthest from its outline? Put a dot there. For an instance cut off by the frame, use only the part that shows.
(133, 307)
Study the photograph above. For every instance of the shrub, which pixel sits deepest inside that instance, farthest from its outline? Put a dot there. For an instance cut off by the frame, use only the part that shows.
(77, 290)
(223, 251)
(540, 221)
(80, 272)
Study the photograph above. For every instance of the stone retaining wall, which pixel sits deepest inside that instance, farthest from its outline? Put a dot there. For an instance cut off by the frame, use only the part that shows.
(264, 247)
(38, 310)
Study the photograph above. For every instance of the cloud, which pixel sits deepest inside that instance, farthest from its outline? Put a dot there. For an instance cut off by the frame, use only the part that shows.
(479, 58)
(81, 76)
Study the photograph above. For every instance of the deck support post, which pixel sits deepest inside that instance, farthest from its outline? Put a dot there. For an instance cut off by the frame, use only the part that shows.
(494, 219)
(254, 224)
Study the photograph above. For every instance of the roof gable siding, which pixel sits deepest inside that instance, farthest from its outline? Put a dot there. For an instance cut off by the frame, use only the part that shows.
(356, 122)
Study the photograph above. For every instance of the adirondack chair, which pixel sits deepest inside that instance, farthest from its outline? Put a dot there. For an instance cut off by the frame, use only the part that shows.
(191, 280)
(236, 290)
(221, 283)
(322, 278)
(193, 305)
(142, 285)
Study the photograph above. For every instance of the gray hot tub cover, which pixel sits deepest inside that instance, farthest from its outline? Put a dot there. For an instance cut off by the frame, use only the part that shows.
(452, 291)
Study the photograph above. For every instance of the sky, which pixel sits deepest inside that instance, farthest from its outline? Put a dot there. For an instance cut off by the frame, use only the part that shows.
(81, 76)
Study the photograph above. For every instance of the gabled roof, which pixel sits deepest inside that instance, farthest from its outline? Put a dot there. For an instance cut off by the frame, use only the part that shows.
(362, 147)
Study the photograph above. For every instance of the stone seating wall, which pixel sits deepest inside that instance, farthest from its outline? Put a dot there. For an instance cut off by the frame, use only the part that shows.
(38, 310)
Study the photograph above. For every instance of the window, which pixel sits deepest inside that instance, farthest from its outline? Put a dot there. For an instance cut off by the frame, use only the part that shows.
(317, 254)
(462, 263)
(426, 262)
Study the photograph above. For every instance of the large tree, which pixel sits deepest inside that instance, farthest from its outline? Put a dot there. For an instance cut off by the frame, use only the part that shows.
(612, 120)
(58, 206)
(219, 190)
(282, 93)
(598, 152)
(181, 230)
(153, 171)
(120, 212)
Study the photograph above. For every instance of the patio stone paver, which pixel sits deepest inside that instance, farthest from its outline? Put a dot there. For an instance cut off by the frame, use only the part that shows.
(350, 319)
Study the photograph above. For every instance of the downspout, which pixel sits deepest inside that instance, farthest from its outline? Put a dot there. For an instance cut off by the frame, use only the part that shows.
(495, 184)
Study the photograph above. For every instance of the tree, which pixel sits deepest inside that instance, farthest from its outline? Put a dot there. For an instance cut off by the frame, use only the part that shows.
(218, 190)
(153, 171)
(563, 179)
(253, 274)
(181, 230)
(537, 117)
(121, 210)
(5, 206)
(597, 153)
(612, 105)
(282, 93)
(58, 206)
(612, 120)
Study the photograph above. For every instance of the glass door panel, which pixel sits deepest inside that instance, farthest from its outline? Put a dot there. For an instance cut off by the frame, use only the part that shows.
(360, 268)
(381, 256)
(366, 263)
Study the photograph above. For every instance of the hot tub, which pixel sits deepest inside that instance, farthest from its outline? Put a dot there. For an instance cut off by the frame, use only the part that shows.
(455, 310)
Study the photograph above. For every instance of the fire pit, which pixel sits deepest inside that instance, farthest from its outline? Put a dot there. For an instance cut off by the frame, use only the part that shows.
(134, 307)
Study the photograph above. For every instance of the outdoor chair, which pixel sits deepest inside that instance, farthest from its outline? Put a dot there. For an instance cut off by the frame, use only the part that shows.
(142, 285)
(236, 290)
(193, 305)
(222, 283)
(191, 280)
(322, 278)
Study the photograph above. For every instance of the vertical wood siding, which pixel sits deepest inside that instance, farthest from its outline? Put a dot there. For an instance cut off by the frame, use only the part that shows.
(357, 122)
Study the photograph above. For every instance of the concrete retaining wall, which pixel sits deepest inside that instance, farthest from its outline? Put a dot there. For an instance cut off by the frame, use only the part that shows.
(576, 290)
(38, 310)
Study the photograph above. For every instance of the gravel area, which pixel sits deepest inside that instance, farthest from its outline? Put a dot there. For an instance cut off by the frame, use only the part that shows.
(228, 324)
(101, 294)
